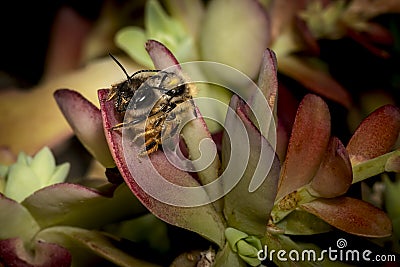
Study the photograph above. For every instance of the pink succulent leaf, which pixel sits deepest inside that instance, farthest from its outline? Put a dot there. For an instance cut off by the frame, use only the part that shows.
(268, 80)
(76, 205)
(86, 122)
(268, 84)
(314, 79)
(335, 175)
(12, 212)
(14, 253)
(307, 145)
(244, 209)
(196, 130)
(211, 226)
(93, 244)
(376, 134)
(351, 215)
(161, 56)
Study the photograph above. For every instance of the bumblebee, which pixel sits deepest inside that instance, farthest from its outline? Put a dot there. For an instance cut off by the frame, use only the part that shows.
(154, 103)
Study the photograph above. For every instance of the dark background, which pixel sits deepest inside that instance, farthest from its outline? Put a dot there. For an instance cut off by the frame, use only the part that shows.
(25, 28)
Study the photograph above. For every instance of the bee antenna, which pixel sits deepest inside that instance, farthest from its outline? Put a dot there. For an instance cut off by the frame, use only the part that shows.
(120, 65)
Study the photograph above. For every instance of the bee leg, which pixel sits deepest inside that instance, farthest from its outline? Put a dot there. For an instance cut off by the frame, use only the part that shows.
(111, 95)
(170, 107)
(118, 126)
(127, 124)
(138, 135)
(147, 133)
(151, 147)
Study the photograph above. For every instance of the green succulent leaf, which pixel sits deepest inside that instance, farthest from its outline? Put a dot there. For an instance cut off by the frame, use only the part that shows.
(223, 39)
(81, 241)
(131, 40)
(28, 174)
(147, 229)
(21, 182)
(300, 222)
(169, 31)
(157, 21)
(226, 257)
(16, 221)
(247, 247)
(75, 205)
(43, 164)
(392, 195)
(59, 174)
(248, 211)
(24, 159)
(190, 14)
(369, 168)
(161, 27)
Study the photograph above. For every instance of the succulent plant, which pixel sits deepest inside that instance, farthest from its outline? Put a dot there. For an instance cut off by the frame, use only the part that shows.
(288, 201)
(255, 170)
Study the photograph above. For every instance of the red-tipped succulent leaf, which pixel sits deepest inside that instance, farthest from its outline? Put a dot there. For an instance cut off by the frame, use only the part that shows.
(376, 134)
(85, 119)
(351, 215)
(335, 175)
(307, 145)
(14, 253)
